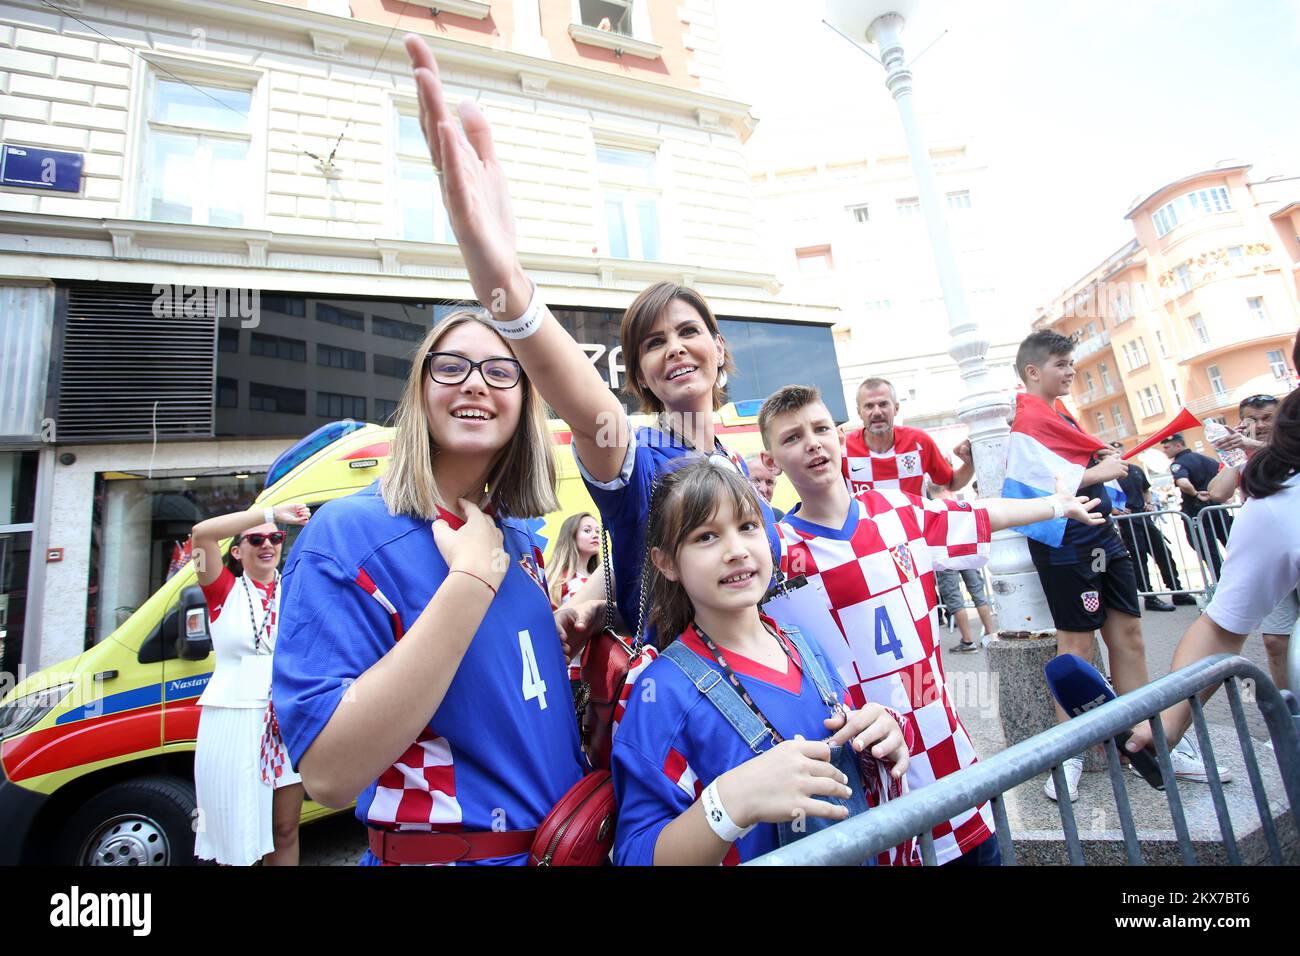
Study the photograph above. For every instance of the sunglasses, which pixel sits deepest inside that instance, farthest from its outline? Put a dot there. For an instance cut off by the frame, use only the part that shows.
(1257, 401)
(257, 540)
(448, 368)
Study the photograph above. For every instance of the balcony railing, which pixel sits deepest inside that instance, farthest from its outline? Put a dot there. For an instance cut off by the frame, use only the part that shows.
(1091, 345)
(1096, 395)
(1227, 398)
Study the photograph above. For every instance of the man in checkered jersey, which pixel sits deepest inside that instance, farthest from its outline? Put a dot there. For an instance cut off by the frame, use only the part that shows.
(879, 455)
(875, 555)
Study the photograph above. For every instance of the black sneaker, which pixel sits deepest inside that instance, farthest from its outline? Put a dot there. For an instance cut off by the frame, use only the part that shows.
(1185, 599)
(1155, 604)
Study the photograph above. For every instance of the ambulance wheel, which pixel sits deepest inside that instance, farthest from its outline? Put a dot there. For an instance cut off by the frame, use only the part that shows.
(142, 822)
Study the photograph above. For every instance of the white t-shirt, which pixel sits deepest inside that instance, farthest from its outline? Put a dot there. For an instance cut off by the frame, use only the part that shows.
(1263, 561)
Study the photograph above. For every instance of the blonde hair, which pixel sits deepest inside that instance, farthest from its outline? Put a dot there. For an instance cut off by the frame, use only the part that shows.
(521, 481)
(640, 318)
(684, 499)
(565, 559)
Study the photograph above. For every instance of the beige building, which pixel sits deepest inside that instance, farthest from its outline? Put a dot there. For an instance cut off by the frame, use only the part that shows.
(840, 217)
(271, 152)
(1199, 310)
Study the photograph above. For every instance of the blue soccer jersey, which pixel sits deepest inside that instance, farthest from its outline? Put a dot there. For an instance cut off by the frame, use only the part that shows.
(503, 747)
(673, 742)
(624, 505)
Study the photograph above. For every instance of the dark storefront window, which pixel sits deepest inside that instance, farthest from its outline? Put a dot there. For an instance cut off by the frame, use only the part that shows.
(141, 526)
(771, 354)
(392, 367)
(17, 511)
(273, 398)
(333, 406)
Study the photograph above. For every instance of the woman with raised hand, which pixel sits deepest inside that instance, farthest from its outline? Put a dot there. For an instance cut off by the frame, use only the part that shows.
(675, 356)
(249, 797)
(418, 672)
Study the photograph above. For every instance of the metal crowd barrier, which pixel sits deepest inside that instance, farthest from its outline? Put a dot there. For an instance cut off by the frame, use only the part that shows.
(1186, 554)
(1213, 515)
(915, 815)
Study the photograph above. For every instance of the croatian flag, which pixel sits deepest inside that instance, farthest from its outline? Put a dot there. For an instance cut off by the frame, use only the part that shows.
(1045, 443)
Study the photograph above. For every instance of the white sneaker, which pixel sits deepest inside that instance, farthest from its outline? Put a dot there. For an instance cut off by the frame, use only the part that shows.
(1188, 764)
(1073, 768)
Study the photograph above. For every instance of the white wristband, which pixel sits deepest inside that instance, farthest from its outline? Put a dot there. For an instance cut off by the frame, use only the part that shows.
(719, 820)
(268, 515)
(526, 324)
(1058, 507)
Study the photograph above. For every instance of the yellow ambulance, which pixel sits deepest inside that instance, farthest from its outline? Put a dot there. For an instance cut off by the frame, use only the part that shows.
(97, 752)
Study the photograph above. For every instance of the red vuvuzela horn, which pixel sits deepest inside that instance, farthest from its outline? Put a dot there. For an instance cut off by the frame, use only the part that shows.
(1182, 421)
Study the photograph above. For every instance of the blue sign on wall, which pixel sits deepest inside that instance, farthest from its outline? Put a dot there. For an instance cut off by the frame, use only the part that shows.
(40, 168)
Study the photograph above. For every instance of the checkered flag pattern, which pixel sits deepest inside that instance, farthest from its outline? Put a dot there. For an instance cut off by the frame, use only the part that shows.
(881, 586)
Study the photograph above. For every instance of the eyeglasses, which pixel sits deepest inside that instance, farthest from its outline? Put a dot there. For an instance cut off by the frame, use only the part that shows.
(1257, 401)
(448, 368)
(257, 540)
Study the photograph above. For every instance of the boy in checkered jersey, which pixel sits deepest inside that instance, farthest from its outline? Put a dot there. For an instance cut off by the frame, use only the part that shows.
(875, 555)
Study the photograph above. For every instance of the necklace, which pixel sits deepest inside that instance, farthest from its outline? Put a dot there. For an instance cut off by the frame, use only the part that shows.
(259, 630)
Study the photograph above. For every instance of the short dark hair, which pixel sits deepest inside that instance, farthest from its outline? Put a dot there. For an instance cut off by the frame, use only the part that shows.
(787, 398)
(1040, 346)
(1263, 400)
(640, 318)
(1176, 436)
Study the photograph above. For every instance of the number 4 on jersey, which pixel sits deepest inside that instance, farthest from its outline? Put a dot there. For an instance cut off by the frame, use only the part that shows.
(886, 640)
(534, 686)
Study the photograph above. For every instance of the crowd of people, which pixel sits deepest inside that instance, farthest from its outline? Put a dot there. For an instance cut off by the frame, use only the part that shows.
(425, 662)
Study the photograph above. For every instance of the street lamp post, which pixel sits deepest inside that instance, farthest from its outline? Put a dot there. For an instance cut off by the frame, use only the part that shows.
(1021, 605)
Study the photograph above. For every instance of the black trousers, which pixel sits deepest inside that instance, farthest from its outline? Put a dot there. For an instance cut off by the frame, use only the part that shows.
(1144, 539)
(1217, 528)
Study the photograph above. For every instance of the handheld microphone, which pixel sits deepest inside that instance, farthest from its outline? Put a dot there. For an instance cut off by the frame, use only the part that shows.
(1078, 687)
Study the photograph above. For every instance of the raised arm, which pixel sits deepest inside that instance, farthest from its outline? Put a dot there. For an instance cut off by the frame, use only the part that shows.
(477, 198)
(207, 535)
(1013, 512)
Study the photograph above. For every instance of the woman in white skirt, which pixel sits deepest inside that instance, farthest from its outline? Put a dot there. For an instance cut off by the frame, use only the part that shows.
(249, 796)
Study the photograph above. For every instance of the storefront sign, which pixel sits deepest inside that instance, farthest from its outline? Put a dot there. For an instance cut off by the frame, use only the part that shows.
(40, 168)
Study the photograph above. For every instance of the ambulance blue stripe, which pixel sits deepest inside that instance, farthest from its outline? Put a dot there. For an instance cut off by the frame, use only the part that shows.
(180, 689)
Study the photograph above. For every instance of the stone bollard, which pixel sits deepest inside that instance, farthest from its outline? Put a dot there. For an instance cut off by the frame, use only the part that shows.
(1025, 703)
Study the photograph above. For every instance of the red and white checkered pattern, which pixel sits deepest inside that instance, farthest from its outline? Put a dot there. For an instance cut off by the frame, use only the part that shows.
(679, 772)
(881, 587)
(418, 792)
(635, 667)
(903, 467)
(273, 757)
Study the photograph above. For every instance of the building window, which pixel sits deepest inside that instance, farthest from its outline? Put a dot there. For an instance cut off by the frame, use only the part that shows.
(227, 392)
(278, 347)
(879, 305)
(273, 398)
(909, 207)
(1088, 385)
(860, 213)
(385, 409)
(1176, 392)
(1121, 308)
(959, 200)
(1117, 416)
(334, 405)
(1104, 372)
(1135, 353)
(814, 260)
(1189, 206)
(1198, 325)
(1151, 401)
(1183, 278)
(284, 305)
(228, 340)
(344, 317)
(392, 367)
(197, 147)
(420, 213)
(1216, 379)
(1160, 344)
(1255, 304)
(332, 356)
(1277, 363)
(1235, 252)
(631, 199)
(396, 329)
(612, 15)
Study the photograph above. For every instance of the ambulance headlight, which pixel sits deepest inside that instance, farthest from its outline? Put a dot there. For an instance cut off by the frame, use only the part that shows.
(23, 713)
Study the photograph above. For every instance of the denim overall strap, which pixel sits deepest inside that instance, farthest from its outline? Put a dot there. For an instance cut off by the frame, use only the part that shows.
(709, 682)
(811, 666)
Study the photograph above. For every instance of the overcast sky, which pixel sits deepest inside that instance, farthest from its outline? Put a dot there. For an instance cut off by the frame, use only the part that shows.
(1076, 107)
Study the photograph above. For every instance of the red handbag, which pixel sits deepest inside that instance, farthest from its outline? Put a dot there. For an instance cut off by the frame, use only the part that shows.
(579, 830)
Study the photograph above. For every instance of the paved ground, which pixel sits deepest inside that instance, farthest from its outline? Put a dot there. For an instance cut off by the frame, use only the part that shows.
(340, 840)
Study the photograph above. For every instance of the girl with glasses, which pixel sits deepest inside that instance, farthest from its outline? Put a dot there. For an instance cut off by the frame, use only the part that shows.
(418, 671)
(249, 796)
(675, 357)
